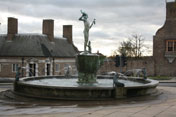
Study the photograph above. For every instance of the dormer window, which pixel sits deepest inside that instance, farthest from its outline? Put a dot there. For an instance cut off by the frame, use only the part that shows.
(171, 45)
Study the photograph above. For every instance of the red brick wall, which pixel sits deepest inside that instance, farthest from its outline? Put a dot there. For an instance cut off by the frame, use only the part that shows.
(133, 63)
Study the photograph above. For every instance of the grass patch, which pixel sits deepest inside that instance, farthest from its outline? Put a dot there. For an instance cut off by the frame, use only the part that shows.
(160, 78)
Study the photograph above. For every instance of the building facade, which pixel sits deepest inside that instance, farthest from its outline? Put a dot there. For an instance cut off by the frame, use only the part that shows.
(164, 44)
(37, 54)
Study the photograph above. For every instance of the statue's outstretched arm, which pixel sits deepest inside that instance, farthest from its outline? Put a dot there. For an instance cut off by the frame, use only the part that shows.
(93, 23)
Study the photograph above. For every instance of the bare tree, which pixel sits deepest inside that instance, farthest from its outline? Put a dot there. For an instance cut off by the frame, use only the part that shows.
(137, 44)
(133, 47)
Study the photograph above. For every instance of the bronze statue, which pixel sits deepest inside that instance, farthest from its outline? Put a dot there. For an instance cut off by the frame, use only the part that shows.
(116, 83)
(87, 27)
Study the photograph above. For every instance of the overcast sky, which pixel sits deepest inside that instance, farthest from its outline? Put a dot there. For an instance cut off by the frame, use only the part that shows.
(116, 20)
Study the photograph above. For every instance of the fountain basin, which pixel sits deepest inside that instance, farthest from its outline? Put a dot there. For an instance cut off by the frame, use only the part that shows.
(40, 87)
(147, 88)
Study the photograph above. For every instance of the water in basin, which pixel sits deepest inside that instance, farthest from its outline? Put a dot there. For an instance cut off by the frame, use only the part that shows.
(73, 82)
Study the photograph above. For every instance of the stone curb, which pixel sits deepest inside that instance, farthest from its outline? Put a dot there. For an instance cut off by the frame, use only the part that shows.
(167, 81)
(7, 80)
(11, 80)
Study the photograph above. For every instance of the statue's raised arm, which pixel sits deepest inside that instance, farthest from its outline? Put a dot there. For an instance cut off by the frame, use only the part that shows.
(84, 16)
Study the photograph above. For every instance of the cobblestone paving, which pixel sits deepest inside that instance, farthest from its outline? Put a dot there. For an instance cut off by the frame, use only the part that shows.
(161, 106)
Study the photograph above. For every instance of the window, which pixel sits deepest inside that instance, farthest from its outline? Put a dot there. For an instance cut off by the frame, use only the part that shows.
(14, 67)
(175, 45)
(171, 45)
(57, 67)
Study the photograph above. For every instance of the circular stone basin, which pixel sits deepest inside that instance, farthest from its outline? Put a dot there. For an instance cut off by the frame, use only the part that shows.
(58, 87)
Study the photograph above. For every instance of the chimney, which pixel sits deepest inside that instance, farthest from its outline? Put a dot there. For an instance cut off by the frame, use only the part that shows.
(48, 29)
(171, 10)
(12, 28)
(67, 33)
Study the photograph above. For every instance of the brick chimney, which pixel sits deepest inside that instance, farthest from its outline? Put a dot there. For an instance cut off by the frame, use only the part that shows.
(12, 28)
(48, 29)
(67, 33)
(171, 10)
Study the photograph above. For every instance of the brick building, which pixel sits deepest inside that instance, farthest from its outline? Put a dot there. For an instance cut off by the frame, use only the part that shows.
(164, 44)
(38, 54)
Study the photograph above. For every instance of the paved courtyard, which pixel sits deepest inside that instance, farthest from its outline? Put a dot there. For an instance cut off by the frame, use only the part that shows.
(163, 105)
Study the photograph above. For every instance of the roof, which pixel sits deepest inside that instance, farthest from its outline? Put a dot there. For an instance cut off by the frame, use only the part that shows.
(35, 45)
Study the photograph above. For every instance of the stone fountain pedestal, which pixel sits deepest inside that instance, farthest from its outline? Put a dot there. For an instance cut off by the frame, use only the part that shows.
(88, 65)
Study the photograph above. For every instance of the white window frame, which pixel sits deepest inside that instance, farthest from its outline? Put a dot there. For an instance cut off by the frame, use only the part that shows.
(57, 67)
(15, 67)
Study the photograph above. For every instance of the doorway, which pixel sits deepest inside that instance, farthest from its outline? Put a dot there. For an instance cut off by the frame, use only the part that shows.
(48, 69)
(32, 69)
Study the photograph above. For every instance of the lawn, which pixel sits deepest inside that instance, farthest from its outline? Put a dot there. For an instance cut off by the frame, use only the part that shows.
(160, 77)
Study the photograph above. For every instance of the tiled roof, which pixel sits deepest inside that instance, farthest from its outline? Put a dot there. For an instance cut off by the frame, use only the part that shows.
(35, 45)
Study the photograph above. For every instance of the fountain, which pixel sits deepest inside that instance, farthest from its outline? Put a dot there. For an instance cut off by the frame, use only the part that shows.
(87, 86)
(87, 63)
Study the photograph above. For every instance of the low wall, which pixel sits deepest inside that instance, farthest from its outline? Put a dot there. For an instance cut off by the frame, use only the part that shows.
(132, 63)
